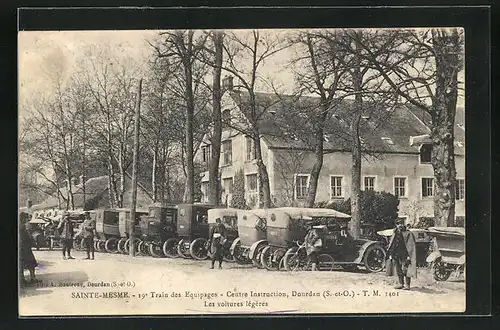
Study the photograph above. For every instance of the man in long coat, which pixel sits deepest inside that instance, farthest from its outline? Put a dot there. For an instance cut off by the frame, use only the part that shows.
(66, 231)
(27, 260)
(217, 238)
(88, 228)
(402, 250)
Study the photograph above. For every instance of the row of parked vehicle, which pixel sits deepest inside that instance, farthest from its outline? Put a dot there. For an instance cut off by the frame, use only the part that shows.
(271, 239)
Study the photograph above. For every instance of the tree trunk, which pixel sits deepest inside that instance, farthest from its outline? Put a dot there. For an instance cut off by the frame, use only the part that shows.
(446, 45)
(189, 196)
(264, 189)
(213, 171)
(153, 173)
(318, 164)
(355, 223)
(121, 166)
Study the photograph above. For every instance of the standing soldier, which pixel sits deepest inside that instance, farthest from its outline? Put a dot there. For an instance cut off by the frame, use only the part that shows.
(216, 242)
(403, 253)
(88, 235)
(66, 231)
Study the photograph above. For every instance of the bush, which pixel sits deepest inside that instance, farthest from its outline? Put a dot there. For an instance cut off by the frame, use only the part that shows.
(425, 222)
(379, 209)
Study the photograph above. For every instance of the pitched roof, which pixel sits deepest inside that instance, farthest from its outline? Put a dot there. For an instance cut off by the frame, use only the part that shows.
(459, 128)
(94, 187)
(382, 130)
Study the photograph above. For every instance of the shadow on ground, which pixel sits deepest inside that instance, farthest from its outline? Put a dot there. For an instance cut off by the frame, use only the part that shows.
(50, 280)
(427, 290)
(68, 277)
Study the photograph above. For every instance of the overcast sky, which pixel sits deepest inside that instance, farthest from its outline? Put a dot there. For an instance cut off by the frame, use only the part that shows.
(38, 48)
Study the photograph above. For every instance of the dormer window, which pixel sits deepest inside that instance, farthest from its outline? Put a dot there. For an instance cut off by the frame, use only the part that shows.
(226, 118)
(425, 153)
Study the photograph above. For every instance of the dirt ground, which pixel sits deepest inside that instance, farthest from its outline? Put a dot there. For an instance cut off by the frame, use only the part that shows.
(118, 284)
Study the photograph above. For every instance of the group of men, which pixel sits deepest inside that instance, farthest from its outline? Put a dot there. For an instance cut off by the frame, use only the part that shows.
(66, 232)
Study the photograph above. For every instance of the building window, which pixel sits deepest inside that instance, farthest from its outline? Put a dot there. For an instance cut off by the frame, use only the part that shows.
(369, 182)
(425, 153)
(205, 150)
(250, 149)
(335, 186)
(400, 187)
(427, 187)
(227, 151)
(252, 182)
(460, 189)
(228, 185)
(301, 185)
(226, 118)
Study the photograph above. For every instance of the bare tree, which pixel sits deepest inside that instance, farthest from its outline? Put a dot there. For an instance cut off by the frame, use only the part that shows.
(181, 48)
(422, 67)
(214, 188)
(255, 48)
(319, 70)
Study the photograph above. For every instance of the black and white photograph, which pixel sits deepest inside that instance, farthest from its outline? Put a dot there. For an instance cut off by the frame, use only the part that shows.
(241, 171)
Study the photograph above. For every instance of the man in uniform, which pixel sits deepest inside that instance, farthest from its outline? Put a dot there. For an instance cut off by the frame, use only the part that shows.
(402, 251)
(66, 231)
(216, 242)
(88, 226)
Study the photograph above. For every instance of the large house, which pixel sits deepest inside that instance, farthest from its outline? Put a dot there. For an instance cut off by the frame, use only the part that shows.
(396, 155)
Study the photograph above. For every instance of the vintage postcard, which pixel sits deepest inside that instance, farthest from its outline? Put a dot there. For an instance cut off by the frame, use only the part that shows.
(267, 171)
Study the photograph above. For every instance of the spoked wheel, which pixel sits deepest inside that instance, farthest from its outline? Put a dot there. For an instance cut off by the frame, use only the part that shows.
(325, 263)
(120, 246)
(82, 244)
(440, 272)
(295, 260)
(266, 258)
(238, 253)
(374, 258)
(156, 250)
(256, 261)
(138, 245)
(111, 245)
(142, 248)
(183, 250)
(170, 248)
(126, 246)
(198, 249)
(101, 246)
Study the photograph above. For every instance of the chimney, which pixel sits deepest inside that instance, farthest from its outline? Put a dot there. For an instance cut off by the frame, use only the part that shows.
(227, 83)
(82, 179)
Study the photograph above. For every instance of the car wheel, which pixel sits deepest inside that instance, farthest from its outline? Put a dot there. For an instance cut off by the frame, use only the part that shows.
(374, 259)
(170, 248)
